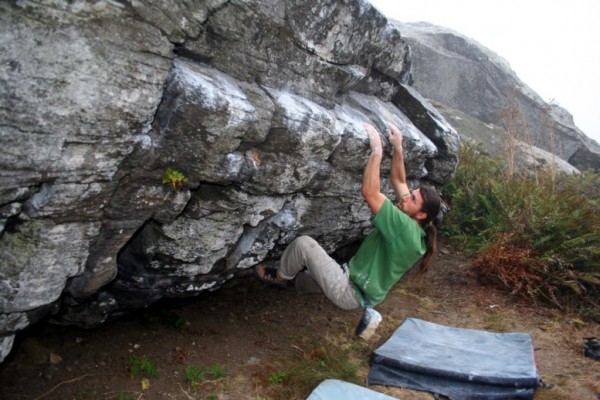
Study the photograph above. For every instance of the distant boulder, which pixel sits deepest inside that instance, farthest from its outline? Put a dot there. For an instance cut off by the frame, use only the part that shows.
(494, 140)
(454, 70)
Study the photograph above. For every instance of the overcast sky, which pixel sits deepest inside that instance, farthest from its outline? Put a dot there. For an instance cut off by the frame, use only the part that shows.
(552, 45)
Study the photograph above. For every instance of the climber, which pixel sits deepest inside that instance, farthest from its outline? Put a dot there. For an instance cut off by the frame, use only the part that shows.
(403, 234)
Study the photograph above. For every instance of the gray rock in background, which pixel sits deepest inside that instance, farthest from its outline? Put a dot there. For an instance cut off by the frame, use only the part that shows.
(259, 103)
(494, 141)
(458, 72)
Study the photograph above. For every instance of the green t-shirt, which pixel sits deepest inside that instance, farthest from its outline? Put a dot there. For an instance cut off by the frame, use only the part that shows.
(391, 249)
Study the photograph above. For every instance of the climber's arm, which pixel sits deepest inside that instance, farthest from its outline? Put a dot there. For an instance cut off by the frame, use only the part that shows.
(371, 185)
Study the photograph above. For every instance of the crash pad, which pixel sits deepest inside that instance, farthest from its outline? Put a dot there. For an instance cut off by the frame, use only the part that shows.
(331, 389)
(456, 362)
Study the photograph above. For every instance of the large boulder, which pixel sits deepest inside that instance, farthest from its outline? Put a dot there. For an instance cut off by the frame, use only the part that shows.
(259, 104)
(454, 70)
(518, 156)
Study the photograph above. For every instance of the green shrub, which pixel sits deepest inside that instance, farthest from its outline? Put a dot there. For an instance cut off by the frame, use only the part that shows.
(550, 225)
(469, 195)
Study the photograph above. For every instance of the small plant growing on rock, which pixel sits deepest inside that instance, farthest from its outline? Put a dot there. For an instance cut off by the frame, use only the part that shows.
(174, 178)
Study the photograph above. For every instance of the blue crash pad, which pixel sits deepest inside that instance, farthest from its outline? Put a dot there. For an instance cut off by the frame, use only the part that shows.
(458, 363)
(333, 389)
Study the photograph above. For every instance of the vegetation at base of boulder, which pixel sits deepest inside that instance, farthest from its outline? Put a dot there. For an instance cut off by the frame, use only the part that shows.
(175, 178)
(142, 366)
(536, 236)
(307, 369)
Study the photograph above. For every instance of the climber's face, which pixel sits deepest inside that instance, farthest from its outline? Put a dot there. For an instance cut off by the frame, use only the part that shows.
(412, 205)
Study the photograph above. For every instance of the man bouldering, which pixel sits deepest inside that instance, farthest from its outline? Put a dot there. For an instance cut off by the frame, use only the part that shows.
(402, 235)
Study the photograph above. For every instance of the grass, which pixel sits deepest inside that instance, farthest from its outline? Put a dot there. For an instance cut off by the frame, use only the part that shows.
(425, 303)
(536, 237)
(194, 375)
(495, 322)
(197, 374)
(142, 366)
(300, 374)
(277, 377)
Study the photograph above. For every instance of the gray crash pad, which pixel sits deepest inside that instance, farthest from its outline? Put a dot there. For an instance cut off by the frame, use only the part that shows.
(459, 363)
(333, 389)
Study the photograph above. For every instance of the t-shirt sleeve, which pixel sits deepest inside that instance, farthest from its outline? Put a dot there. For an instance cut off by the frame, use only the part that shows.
(391, 221)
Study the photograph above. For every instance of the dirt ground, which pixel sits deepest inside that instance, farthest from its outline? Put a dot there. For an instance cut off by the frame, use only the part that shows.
(254, 334)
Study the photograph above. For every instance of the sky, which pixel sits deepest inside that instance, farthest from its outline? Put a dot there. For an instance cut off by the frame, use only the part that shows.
(552, 45)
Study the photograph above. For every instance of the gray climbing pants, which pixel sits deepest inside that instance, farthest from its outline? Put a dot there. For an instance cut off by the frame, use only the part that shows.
(323, 273)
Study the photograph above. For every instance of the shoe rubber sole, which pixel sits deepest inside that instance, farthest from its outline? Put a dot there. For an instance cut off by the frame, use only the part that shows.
(368, 323)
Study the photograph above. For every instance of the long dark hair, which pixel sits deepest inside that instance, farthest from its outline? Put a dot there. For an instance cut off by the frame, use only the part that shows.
(431, 206)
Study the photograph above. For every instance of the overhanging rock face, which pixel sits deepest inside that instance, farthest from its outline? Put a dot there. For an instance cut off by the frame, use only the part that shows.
(259, 104)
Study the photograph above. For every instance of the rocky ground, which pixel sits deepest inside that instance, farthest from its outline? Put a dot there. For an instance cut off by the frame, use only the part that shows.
(250, 342)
